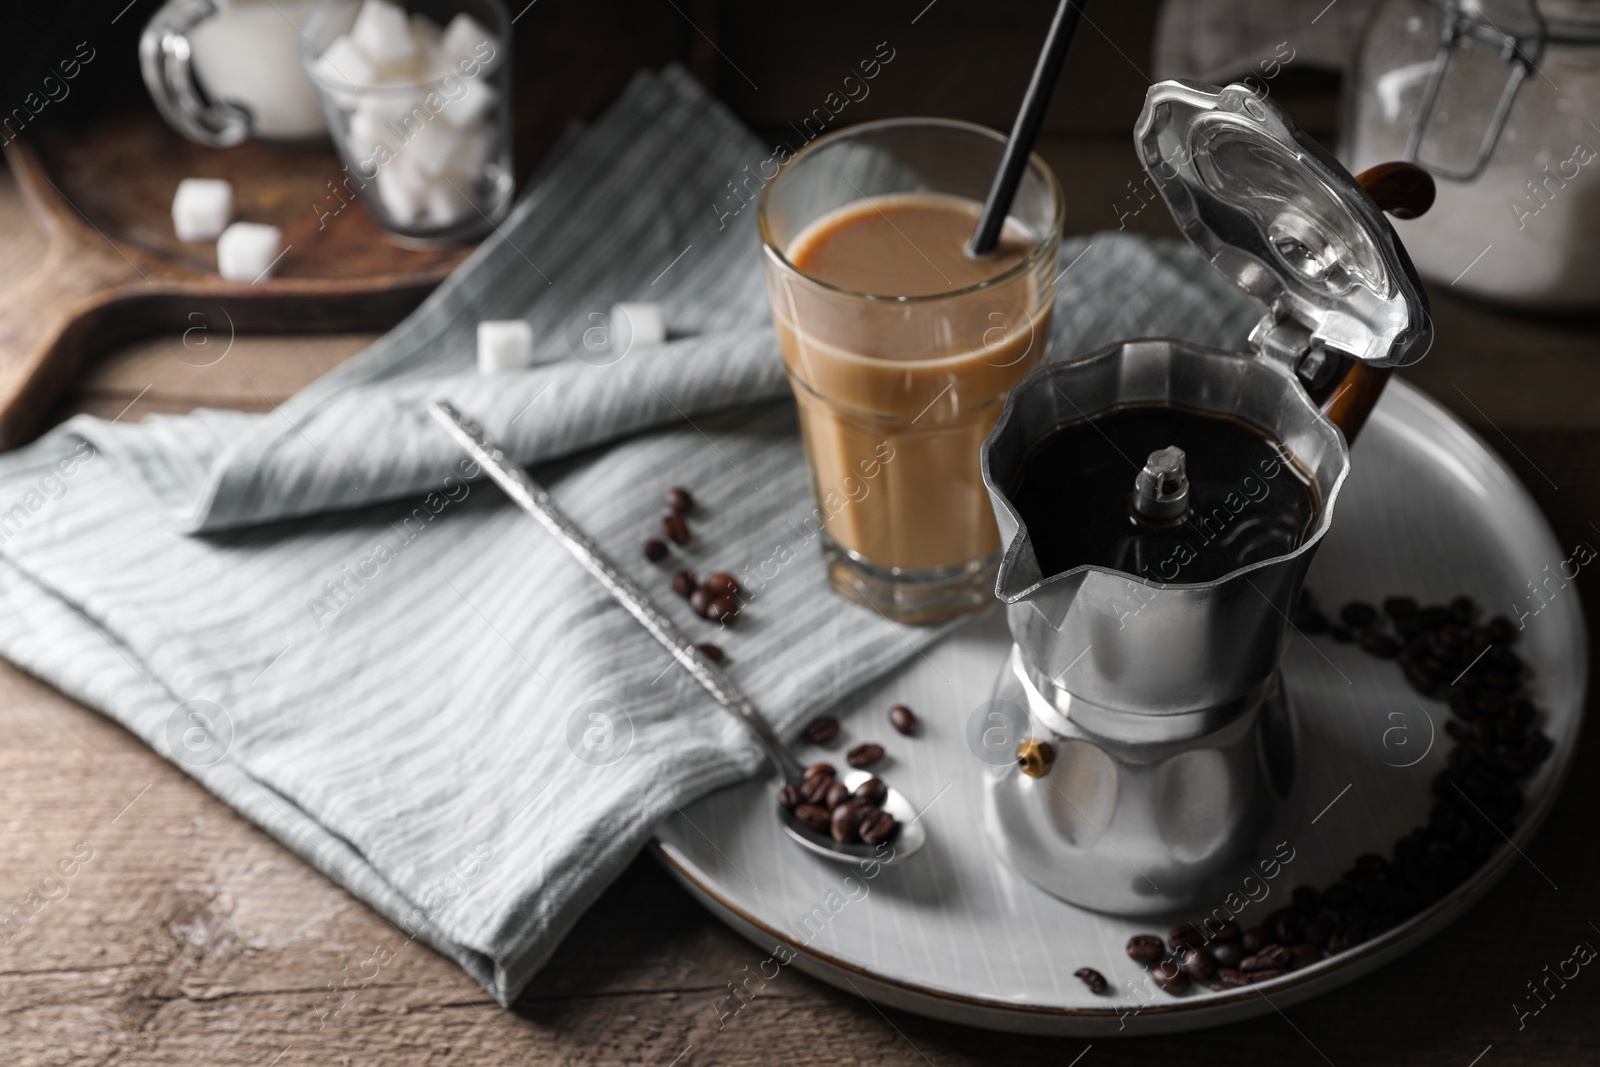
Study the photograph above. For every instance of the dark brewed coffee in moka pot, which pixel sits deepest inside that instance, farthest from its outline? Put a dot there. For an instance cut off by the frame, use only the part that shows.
(1160, 502)
(1240, 496)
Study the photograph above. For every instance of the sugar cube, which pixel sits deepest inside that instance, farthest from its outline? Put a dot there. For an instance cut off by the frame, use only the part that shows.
(447, 203)
(247, 251)
(636, 325)
(469, 104)
(504, 345)
(342, 64)
(403, 192)
(472, 152)
(202, 208)
(367, 132)
(386, 104)
(383, 32)
(465, 39)
(432, 148)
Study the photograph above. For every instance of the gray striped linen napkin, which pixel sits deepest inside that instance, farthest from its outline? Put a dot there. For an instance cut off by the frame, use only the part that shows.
(322, 618)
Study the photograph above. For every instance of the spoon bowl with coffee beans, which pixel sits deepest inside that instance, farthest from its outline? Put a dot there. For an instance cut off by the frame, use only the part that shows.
(854, 819)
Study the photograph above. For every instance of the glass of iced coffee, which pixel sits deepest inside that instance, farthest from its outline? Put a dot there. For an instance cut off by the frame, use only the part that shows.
(900, 347)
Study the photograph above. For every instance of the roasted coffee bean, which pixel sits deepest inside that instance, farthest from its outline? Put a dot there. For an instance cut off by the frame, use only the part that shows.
(1092, 978)
(789, 796)
(676, 528)
(1228, 953)
(837, 794)
(1422, 680)
(1340, 634)
(1255, 939)
(877, 826)
(1228, 931)
(721, 583)
(814, 789)
(1267, 975)
(1306, 900)
(1463, 609)
(1310, 621)
(1146, 948)
(1501, 630)
(723, 609)
(1318, 929)
(813, 817)
(903, 719)
(711, 652)
(1380, 644)
(821, 730)
(1408, 626)
(1339, 895)
(845, 823)
(679, 500)
(1304, 955)
(1502, 683)
(1229, 978)
(655, 551)
(872, 791)
(864, 755)
(1358, 615)
(1183, 936)
(700, 601)
(1270, 956)
(1170, 978)
(1199, 964)
(1434, 616)
(1396, 606)
(1490, 703)
(683, 583)
(821, 769)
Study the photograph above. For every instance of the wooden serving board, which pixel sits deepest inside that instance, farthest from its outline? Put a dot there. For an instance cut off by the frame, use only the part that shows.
(114, 269)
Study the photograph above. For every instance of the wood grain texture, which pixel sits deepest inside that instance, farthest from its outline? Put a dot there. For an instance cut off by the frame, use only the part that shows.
(113, 270)
(101, 185)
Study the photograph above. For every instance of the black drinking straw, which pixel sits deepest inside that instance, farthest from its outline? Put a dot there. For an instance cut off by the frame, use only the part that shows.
(1019, 146)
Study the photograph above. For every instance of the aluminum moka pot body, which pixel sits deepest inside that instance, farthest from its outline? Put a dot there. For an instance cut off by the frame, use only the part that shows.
(1157, 744)
(1169, 745)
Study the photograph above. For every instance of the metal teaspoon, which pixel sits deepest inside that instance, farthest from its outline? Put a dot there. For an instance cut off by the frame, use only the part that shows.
(531, 497)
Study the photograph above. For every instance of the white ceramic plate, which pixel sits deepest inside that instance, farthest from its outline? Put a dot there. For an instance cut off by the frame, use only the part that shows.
(954, 933)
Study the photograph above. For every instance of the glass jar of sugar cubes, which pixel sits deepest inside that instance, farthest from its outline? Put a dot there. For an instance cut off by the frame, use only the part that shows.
(418, 101)
(1500, 99)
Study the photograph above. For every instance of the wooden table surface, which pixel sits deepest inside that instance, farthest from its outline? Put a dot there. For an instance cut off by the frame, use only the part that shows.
(191, 937)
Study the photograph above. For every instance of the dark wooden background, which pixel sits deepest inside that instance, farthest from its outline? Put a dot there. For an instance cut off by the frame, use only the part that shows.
(191, 937)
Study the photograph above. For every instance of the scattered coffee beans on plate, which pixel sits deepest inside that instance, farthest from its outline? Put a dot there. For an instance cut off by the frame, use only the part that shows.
(1091, 978)
(1445, 652)
(903, 719)
(1145, 948)
(864, 755)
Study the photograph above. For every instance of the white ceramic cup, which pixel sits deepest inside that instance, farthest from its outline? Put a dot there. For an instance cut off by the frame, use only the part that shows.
(220, 71)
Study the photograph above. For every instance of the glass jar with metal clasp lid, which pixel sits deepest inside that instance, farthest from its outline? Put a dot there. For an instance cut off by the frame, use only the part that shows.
(1500, 99)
